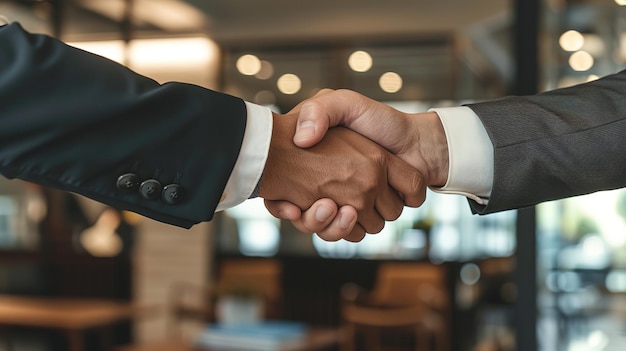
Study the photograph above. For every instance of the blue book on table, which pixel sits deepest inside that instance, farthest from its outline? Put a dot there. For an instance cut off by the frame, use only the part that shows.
(263, 336)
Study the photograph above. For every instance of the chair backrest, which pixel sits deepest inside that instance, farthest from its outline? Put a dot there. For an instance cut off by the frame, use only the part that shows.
(399, 284)
(260, 276)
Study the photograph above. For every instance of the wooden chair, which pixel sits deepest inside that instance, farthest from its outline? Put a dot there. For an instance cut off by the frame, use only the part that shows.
(197, 303)
(407, 297)
(253, 276)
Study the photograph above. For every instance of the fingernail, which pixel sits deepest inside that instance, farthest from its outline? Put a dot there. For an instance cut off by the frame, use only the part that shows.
(345, 219)
(305, 130)
(322, 214)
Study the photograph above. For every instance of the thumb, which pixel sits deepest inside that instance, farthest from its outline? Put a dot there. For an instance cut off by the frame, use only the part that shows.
(339, 107)
(283, 209)
(313, 122)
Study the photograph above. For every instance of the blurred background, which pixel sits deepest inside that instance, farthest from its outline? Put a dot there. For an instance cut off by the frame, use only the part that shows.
(75, 275)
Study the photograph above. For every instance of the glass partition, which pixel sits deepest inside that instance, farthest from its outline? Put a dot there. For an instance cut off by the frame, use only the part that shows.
(22, 207)
(582, 240)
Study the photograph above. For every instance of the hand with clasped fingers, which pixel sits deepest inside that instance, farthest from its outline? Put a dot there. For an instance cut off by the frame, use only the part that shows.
(369, 183)
(418, 139)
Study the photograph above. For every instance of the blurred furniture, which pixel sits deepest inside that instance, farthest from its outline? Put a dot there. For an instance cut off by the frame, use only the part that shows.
(73, 317)
(490, 306)
(407, 298)
(189, 303)
(249, 277)
(317, 339)
(195, 303)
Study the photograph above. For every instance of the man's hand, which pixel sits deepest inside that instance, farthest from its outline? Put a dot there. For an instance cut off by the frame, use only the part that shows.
(345, 167)
(418, 139)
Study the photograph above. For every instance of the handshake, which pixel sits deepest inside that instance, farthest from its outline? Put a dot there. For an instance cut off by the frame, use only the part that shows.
(345, 181)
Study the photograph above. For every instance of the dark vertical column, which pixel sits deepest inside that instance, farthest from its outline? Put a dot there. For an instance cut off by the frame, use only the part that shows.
(126, 28)
(57, 17)
(526, 37)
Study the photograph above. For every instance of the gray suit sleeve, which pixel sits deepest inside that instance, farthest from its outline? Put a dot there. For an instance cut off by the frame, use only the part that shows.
(556, 144)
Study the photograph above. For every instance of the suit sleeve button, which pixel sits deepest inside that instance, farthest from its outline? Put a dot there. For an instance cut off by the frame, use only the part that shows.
(127, 182)
(150, 189)
(172, 194)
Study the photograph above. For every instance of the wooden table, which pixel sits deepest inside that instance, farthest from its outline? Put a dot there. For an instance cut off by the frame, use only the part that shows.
(69, 315)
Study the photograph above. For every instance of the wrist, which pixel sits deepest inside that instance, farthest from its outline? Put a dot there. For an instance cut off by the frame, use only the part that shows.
(432, 144)
(267, 188)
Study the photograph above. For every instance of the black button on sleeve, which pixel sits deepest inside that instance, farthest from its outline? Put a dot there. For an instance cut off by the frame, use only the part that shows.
(150, 189)
(172, 194)
(127, 182)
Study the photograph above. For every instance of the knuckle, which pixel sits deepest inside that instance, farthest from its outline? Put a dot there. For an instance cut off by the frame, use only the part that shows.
(379, 157)
(313, 104)
(395, 213)
(417, 182)
(360, 205)
(324, 91)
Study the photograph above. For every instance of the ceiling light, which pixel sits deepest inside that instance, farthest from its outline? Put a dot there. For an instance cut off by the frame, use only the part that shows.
(248, 65)
(571, 40)
(581, 61)
(289, 84)
(266, 71)
(390, 82)
(172, 15)
(621, 2)
(172, 52)
(360, 61)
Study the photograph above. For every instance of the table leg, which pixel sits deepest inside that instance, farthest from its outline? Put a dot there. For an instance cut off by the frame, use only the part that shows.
(5, 339)
(106, 338)
(75, 340)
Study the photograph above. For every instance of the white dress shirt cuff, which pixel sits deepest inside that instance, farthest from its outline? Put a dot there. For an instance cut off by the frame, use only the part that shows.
(252, 156)
(470, 152)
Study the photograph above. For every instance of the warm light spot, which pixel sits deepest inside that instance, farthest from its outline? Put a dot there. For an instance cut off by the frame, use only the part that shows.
(390, 82)
(592, 77)
(248, 65)
(360, 61)
(266, 71)
(571, 40)
(101, 239)
(621, 2)
(581, 61)
(173, 53)
(289, 84)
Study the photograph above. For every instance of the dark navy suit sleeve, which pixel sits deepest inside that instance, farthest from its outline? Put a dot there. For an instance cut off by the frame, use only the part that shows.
(78, 122)
(557, 144)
